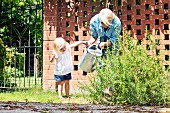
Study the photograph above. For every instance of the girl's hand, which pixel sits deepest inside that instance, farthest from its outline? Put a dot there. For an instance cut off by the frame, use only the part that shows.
(52, 58)
(85, 42)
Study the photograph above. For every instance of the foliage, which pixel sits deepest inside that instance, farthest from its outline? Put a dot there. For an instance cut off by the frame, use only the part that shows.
(14, 65)
(21, 25)
(14, 59)
(21, 20)
(13, 72)
(133, 77)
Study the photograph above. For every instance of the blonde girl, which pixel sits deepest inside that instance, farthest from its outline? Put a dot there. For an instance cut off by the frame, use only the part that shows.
(63, 64)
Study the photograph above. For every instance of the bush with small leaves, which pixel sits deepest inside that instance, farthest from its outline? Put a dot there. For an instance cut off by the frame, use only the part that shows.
(133, 77)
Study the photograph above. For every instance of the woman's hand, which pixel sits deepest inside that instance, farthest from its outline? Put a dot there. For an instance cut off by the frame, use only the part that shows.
(101, 45)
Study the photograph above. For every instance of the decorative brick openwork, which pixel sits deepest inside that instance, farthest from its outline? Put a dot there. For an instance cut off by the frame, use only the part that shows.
(70, 19)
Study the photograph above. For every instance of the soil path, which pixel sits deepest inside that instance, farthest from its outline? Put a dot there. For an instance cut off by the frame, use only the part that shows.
(35, 107)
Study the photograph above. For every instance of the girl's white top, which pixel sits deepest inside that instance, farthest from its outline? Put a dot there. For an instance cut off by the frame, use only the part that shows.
(63, 63)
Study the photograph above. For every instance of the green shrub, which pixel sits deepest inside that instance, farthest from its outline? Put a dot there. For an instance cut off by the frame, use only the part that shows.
(133, 76)
(13, 72)
(14, 59)
(14, 65)
(9, 76)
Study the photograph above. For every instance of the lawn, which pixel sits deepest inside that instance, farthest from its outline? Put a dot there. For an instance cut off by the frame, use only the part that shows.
(27, 90)
(38, 95)
(27, 82)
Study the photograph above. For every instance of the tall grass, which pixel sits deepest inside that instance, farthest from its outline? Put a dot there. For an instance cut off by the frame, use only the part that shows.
(134, 77)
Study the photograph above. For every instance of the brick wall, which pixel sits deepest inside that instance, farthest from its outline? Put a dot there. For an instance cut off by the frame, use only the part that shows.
(137, 15)
(70, 19)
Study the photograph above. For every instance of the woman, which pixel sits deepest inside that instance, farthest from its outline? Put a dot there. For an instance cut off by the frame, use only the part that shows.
(105, 28)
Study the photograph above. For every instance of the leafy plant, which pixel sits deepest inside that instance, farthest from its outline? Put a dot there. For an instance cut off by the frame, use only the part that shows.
(14, 58)
(13, 72)
(14, 65)
(133, 76)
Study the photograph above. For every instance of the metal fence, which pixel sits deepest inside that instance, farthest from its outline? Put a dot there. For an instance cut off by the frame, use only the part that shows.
(21, 29)
(22, 70)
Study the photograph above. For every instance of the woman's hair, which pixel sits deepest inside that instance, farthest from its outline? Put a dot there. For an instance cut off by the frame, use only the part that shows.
(59, 43)
(106, 16)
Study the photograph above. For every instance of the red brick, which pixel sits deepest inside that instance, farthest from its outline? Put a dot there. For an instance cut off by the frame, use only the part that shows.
(160, 16)
(79, 77)
(164, 22)
(51, 27)
(147, 12)
(165, 1)
(48, 66)
(47, 72)
(151, 22)
(46, 57)
(149, 2)
(50, 13)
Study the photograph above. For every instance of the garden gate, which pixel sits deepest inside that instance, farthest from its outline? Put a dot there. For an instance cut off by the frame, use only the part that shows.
(21, 31)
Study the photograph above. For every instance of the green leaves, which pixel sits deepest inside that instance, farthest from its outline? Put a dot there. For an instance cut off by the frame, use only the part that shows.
(133, 76)
(19, 15)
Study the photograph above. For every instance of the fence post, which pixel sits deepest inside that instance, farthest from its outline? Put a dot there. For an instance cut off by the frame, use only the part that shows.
(35, 67)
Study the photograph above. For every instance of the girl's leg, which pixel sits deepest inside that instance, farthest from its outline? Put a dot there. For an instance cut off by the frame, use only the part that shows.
(67, 87)
(56, 86)
(60, 89)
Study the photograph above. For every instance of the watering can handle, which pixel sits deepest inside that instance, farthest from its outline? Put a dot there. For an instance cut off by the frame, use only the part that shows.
(94, 48)
(97, 46)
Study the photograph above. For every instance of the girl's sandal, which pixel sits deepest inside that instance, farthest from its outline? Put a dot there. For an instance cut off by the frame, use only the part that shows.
(60, 97)
(69, 97)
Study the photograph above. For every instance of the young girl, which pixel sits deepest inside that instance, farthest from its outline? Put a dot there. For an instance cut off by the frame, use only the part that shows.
(63, 63)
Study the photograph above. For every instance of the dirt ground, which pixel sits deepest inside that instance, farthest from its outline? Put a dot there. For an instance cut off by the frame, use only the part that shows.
(35, 107)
